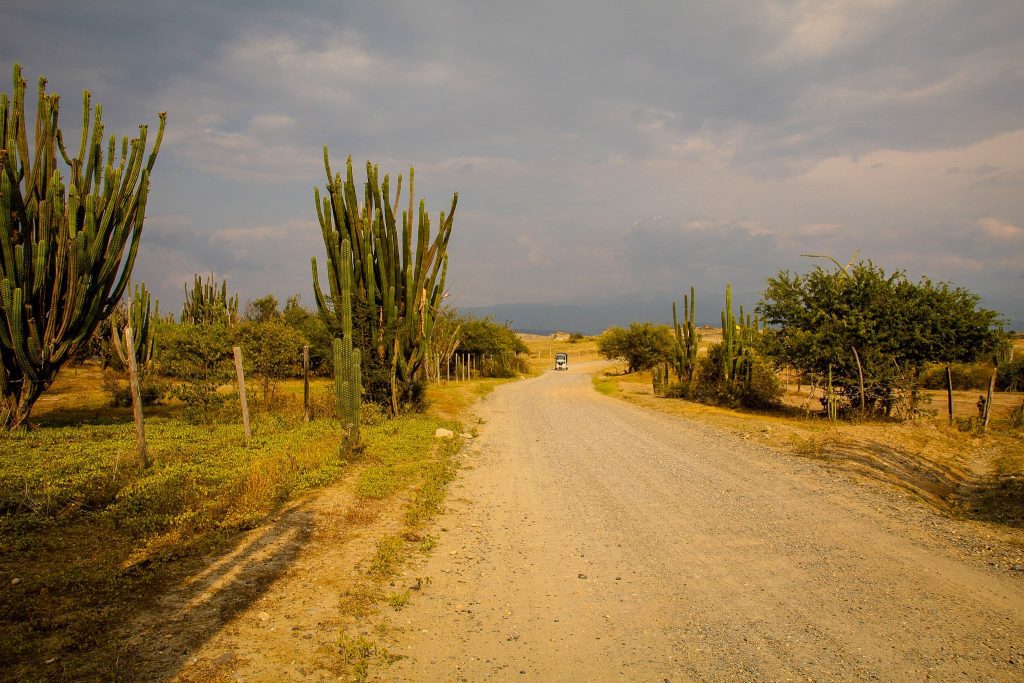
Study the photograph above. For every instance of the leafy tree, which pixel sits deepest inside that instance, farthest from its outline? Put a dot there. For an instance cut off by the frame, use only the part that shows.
(262, 310)
(200, 357)
(311, 326)
(895, 327)
(641, 345)
(499, 344)
(270, 351)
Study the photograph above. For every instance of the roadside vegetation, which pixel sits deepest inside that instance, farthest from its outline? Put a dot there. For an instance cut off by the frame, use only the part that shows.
(909, 382)
(138, 447)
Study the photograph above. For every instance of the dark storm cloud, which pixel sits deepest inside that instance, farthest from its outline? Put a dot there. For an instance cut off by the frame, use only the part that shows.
(755, 131)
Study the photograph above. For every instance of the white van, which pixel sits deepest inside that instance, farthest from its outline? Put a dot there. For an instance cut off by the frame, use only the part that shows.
(561, 361)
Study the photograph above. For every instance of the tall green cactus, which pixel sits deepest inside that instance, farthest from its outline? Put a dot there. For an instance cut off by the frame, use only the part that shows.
(66, 254)
(140, 317)
(348, 385)
(684, 357)
(730, 343)
(397, 291)
(206, 304)
(738, 340)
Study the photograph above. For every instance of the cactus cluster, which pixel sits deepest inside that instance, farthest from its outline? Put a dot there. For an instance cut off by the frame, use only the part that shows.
(738, 342)
(66, 253)
(207, 304)
(140, 316)
(684, 353)
(397, 287)
(348, 385)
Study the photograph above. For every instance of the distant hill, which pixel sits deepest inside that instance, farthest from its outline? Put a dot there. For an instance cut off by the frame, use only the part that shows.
(585, 318)
(594, 318)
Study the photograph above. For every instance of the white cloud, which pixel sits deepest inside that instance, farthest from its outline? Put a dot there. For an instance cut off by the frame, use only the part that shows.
(813, 29)
(1000, 229)
(270, 122)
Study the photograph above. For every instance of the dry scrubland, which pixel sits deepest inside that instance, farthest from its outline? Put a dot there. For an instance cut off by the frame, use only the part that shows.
(111, 572)
(88, 543)
(965, 474)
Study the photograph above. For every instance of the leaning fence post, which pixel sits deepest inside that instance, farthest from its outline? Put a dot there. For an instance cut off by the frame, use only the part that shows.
(241, 391)
(949, 393)
(988, 401)
(305, 381)
(133, 382)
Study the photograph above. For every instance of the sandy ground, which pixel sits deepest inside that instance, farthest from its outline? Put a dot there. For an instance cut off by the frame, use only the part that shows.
(588, 539)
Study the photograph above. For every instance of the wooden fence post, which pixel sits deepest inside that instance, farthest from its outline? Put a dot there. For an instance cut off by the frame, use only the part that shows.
(133, 382)
(241, 391)
(305, 381)
(988, 402)
(949, 393)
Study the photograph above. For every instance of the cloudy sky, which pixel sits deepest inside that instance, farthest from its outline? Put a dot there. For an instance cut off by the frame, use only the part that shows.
(601, 150)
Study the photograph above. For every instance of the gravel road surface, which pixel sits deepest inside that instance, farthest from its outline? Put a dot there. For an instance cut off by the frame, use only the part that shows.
(590, 540)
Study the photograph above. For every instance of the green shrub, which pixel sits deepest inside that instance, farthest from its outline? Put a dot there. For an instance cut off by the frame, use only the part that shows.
(1017, 417)
(120, 392)
(496, 347)
(194, 353)
(1011, 376)
(641, 345)
(761, 392)
(271, 351)
(965, 376)
(860, 319)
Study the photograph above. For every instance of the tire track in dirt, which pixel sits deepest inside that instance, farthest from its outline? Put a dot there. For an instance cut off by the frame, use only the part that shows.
(593, 540)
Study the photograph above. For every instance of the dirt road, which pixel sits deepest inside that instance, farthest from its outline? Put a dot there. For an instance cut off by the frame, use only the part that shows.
(592, 540)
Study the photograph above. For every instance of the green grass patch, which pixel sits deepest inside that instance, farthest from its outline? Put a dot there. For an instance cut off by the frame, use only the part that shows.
(389, 555)
(605, 385)
(356, 654)
(398, 599)
(402, 453)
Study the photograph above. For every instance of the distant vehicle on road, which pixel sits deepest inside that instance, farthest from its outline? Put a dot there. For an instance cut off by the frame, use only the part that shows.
(561, 361)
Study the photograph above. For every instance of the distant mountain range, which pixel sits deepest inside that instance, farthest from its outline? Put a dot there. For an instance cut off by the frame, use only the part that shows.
(594, 318)
(586, 318)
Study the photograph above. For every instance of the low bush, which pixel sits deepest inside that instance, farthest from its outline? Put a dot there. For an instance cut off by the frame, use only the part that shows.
(1011, 376)
(119, 390)
(761, 391)
(965, 376)
(1017, 417)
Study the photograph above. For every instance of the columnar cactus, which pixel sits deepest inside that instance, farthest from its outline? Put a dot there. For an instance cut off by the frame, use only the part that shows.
(738, 342)
(140, 318)
(686, 339)
(206, 304)
(66, 253)
(730, 343)
(396, 290)
(348, 385)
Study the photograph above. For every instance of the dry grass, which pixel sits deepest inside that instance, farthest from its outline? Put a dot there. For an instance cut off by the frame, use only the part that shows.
(92, 539)
(544, 347)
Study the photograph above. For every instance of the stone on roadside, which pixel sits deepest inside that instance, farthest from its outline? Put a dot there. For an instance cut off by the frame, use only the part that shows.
(442, 433)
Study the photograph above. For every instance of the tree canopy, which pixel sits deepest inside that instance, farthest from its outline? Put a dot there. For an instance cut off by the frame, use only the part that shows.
(826, 320)
(641, 345)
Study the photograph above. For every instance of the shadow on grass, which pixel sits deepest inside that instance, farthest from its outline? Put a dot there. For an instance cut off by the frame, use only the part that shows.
(147, 618)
